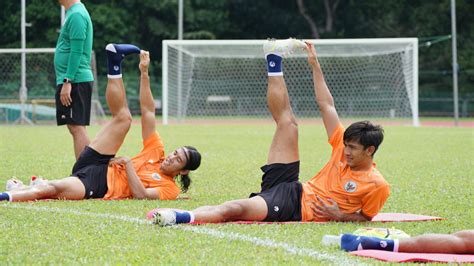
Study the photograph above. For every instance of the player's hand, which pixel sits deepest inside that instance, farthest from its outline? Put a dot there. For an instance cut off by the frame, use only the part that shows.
(144, 61)
(120, 160)
(312, 55)
(325, 210)
(65, 95)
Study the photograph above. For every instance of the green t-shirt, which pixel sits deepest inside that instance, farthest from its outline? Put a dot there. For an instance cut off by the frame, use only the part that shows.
(72, 58)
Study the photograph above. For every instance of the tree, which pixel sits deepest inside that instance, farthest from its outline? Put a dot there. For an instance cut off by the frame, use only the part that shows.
(309, 19)
(330, 7)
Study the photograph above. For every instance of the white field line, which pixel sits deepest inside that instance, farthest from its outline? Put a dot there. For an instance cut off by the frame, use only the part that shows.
(200, 229)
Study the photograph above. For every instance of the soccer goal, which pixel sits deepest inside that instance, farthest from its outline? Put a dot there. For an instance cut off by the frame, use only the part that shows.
(34, 103)
(369, 78)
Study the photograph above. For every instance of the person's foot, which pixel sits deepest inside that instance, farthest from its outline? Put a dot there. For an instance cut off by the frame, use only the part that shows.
(38, 180)
(115, 54)
(121, 50)
(164, 217)
(282, 48)
(350, 242)
(13, 184)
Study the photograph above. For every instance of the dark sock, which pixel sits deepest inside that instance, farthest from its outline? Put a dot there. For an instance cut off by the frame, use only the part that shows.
(115, 54)
(274, 65)
(351, 242)
(4, 196)
(183, 217)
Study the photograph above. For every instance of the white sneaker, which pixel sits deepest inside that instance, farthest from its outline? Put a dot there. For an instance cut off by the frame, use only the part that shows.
(282, 48)
(13, 184)
(38, 180)
(164, 217)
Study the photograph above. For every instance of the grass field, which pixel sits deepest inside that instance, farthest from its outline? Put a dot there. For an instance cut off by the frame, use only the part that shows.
(430, 171)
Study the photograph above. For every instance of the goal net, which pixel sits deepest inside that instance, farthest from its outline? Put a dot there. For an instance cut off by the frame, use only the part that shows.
(368, 78)
(36, 102)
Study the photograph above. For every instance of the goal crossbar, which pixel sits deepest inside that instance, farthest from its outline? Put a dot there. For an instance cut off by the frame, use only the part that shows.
(188, 52)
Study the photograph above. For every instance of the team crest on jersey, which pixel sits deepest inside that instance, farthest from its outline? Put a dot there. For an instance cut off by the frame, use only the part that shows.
(156, 176)
(350, 186)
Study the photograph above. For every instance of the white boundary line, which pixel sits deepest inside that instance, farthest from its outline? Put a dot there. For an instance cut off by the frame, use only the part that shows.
(265, 242)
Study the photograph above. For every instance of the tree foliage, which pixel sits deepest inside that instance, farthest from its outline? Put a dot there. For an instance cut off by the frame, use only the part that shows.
(148, 22)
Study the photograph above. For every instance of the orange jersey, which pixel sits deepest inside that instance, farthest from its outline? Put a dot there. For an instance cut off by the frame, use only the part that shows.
(354, 191)
(147, 165)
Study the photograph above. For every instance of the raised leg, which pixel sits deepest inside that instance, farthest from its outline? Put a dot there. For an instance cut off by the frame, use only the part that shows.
(284, 147)
(111, 136)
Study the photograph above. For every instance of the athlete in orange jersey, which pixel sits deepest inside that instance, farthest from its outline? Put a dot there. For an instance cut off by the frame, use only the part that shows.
(98, 174)
(348, 188)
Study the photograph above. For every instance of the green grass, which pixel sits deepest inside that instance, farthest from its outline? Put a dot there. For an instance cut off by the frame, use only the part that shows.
(430, 171)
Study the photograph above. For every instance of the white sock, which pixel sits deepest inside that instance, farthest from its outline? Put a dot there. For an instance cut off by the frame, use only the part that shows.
(114, 76)
(396, 244)
(10, 196)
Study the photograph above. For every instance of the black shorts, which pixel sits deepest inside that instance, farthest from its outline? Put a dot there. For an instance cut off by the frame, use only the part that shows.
(282, 191)
(79, 112)
(91, 169)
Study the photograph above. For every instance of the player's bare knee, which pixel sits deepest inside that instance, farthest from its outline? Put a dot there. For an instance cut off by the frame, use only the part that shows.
(466, 237)
(124, 117)
(288, 122)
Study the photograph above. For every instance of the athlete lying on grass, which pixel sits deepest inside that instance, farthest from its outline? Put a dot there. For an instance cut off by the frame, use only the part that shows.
(98, 174)
(348, 188)
(461, 242)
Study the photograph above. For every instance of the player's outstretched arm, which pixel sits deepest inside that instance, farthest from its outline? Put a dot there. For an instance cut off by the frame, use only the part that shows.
(147, 103)
(323, 95)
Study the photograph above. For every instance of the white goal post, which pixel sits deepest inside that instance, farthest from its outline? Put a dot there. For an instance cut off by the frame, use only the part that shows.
(30, 71)
(369, 78)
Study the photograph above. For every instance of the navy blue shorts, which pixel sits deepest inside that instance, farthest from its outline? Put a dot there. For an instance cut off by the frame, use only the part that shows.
(282, 191)
(91, 168)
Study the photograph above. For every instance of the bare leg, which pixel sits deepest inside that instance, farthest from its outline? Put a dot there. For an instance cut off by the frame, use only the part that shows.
(67, 188)
(461, 242)
(253, 209)
(79, 137)
(205, 208)
(111, 136)
(284, 147)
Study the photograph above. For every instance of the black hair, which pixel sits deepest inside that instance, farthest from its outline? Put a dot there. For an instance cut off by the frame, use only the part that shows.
(184, 181)
(193, 161)
(366, 133)
(193, 158)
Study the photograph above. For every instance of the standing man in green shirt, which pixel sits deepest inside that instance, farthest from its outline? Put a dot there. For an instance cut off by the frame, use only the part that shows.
(72, 62)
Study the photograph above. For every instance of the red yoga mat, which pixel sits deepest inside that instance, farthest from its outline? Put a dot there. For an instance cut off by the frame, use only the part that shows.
(381, 217)
(413, 257)
(184, 197)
